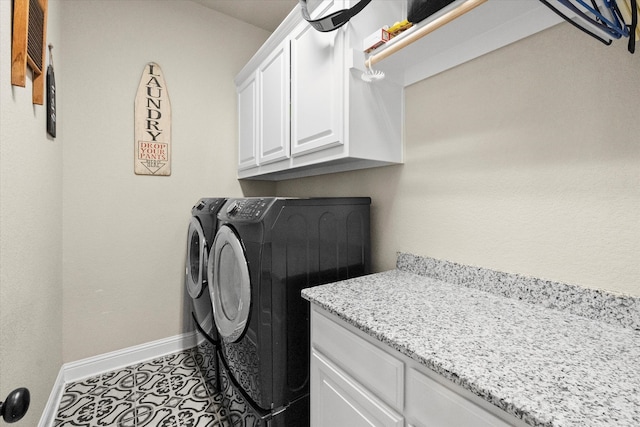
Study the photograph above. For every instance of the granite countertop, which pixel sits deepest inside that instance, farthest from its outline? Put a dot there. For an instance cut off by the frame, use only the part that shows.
(546, 366)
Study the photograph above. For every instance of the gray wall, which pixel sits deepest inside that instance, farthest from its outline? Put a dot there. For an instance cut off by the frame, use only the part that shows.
(30, 231)
(124, 234)
(525, 160)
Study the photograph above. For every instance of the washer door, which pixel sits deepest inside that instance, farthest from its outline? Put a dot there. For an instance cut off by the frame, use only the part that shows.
(228, 274)
(196, 259)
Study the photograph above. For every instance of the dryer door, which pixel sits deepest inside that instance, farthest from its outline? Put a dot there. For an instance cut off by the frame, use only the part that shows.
(230, 288)
(196, 259)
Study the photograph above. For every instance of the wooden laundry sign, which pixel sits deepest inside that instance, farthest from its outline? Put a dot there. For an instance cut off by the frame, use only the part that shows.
(152, 124)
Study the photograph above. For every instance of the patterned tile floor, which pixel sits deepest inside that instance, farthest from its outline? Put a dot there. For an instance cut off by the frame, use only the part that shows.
(167, 392)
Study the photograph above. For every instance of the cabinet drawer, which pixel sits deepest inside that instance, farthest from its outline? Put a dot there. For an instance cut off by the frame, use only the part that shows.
(432, 404)
(377, 370)
(340, 401)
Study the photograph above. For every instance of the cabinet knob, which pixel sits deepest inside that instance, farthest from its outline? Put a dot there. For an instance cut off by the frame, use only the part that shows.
(15, 405)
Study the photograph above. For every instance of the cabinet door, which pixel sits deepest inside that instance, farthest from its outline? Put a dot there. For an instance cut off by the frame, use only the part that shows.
(274, 111)
(247, 123)
(338, 400)
(317, 86)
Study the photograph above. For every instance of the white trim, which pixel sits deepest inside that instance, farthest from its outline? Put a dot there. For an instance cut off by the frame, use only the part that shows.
(106, 362)
(51, 408)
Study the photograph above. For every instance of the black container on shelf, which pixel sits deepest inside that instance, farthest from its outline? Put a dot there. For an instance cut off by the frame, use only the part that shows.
(421, 9)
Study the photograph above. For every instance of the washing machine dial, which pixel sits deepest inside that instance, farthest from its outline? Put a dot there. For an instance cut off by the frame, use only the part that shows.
(233, 208)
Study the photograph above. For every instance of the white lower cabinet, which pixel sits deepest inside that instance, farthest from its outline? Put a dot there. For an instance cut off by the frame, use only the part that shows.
(358, 381)
(430, 404)
(339, 400)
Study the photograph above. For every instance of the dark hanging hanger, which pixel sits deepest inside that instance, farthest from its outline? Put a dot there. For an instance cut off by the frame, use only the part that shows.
(603, 26)
(612, 5)
(617, 28)
(595, 5)
(575, 24)
(631, 47)
(627, 30)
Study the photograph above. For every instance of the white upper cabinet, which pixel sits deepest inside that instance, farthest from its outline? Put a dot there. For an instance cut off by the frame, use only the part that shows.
(317, 89)
(273, 106)
(335, 121)
(247, 115)
(263, 111)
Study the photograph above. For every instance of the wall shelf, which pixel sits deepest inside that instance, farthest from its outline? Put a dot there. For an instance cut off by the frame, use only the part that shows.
(490, 26)
(415, 34)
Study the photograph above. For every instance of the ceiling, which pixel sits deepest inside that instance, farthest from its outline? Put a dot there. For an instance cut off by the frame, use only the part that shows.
(265, 14)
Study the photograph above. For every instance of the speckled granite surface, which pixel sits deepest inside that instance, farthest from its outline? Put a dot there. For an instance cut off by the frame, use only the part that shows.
(596, 304)
(548, 367)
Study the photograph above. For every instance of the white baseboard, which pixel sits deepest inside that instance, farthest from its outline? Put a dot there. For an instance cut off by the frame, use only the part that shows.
(85, 368)
(96, 365)
(51, 408)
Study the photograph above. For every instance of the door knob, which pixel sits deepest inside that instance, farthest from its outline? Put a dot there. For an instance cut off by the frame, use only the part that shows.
(15, 405)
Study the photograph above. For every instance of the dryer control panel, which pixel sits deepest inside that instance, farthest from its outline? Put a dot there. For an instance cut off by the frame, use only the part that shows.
(208, 205)
(246, 209)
